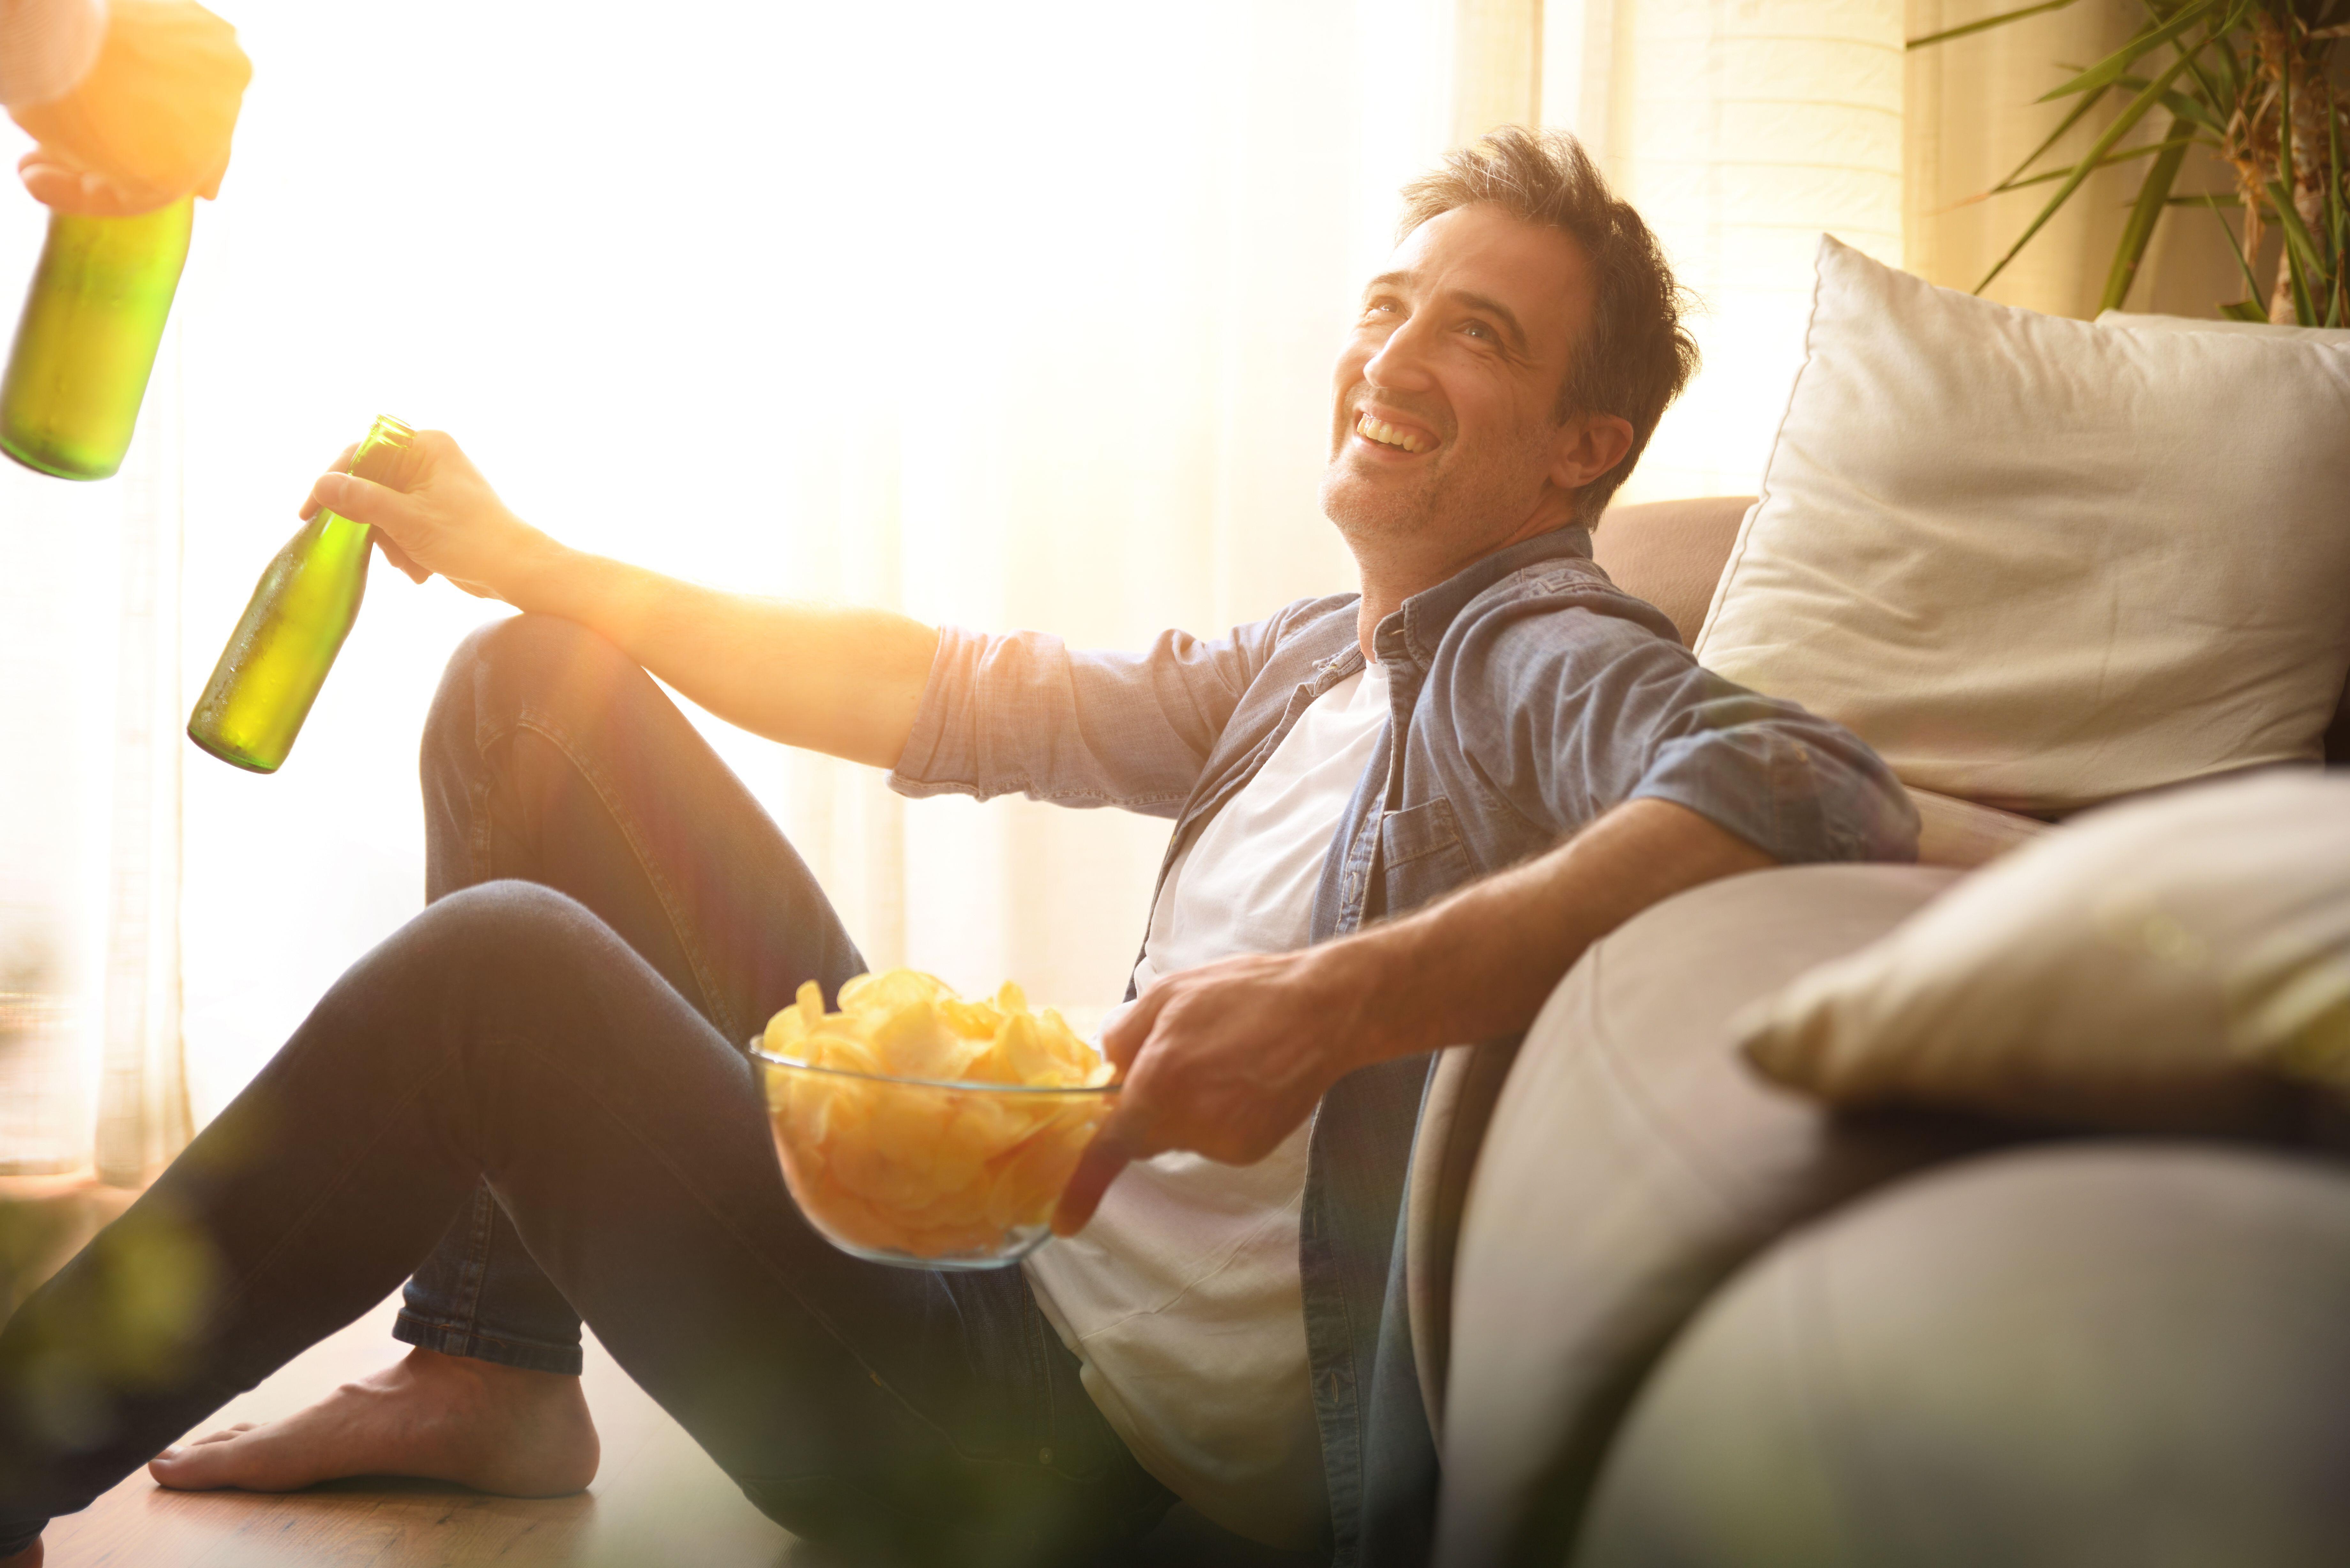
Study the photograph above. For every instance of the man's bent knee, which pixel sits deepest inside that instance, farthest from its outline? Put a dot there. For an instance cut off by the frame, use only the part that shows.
(524, 663)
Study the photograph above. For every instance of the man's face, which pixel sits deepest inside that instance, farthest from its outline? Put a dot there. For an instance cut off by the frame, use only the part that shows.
(1445, 440)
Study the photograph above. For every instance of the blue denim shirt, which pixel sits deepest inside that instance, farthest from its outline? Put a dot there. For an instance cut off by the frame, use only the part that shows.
(1530, 695)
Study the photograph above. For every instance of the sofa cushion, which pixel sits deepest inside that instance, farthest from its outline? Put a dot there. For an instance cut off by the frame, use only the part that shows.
(1633, 1162)
(2337, 738)
(2169, 964)
(2093, 1354)
(2038, 563)
(1670, 553)
(2137, 321)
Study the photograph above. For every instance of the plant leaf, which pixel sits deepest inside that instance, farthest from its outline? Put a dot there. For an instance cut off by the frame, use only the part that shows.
(2121, 127)
(1988, 23)
(2187, 106)
(2235, 247)
(2072, 118)
(2298, 240)
(2199, 109)
(2107, 70)
(2243, 310)
(2150, 149)
(2152, 192)
(2338, 216)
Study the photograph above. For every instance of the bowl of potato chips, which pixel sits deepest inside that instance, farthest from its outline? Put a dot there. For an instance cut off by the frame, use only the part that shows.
(921, 1129)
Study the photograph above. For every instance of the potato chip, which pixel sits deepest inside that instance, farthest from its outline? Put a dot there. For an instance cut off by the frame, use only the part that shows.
(926, 1169)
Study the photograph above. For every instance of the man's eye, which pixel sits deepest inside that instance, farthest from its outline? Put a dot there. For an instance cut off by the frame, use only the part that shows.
(1477, 329)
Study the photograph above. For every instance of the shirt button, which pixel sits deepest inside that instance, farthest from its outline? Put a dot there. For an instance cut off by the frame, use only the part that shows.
(1044, 1456)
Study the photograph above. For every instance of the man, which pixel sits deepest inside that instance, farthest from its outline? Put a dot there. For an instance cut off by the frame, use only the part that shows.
(1400, 818)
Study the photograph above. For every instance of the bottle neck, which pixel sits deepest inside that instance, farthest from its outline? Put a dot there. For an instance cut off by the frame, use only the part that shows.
(333, 531)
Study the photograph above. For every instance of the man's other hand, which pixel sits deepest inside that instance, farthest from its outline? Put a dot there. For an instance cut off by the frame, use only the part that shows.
(449, 521)
(1225, 1060)
(151, 120)
(1228, 1058)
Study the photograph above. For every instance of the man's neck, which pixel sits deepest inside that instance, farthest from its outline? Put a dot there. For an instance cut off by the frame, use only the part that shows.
(1387, 583)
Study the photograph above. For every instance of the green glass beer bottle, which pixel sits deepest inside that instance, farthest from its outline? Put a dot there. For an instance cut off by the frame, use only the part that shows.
(278, 657)
(86, 341)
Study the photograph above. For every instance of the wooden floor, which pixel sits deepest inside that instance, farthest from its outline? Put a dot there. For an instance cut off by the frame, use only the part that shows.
(658, 1499)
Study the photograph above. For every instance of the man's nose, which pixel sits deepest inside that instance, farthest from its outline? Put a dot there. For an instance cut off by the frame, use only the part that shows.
(1402, 361)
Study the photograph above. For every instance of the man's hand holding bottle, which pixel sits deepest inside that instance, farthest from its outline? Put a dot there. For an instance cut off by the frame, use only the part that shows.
(448, 521)
(148, 122)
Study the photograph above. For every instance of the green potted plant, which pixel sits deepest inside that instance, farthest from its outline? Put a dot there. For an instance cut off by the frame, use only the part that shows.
(2246, 78)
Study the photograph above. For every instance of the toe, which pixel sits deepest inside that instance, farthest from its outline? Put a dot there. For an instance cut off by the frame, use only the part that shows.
(192, 1467)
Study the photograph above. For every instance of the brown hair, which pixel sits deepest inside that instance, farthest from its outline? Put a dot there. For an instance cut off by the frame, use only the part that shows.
(1635, 356)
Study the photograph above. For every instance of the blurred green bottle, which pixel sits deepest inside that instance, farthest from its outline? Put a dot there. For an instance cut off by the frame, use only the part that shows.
(278, 657)
(86, 340)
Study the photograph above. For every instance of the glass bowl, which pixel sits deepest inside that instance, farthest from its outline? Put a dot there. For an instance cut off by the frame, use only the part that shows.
(924, 1173)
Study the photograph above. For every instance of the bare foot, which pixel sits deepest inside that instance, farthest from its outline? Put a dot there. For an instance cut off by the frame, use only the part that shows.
(441, 1417)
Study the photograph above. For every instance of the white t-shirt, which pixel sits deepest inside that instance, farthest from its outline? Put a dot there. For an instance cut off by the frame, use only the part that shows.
(1181, 1298)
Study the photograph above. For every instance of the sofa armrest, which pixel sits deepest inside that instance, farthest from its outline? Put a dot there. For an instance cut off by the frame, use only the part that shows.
(2104, 1351)
(1633, 1162)
(1954, 832)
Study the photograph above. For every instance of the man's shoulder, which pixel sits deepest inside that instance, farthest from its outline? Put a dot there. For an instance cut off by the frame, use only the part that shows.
(1300, 613)
(1565, 597)
(1329, 618)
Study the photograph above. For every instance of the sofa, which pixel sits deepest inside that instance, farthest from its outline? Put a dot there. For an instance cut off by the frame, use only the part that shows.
(1667, 1312)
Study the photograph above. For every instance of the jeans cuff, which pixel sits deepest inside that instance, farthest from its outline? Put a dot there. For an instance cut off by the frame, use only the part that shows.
(457, 1339)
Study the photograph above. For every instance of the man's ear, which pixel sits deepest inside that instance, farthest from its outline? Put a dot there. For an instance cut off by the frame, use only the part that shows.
(1588, 446)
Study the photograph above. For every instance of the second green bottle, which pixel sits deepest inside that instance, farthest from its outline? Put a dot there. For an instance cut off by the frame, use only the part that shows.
(303, 606)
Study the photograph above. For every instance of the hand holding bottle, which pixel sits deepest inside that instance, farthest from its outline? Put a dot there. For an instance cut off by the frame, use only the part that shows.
(149, 122)
(449, 521)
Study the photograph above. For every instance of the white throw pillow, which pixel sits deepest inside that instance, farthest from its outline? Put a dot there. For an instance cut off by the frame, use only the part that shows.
(2134, 321)
(2166, 963)
(2038, 563)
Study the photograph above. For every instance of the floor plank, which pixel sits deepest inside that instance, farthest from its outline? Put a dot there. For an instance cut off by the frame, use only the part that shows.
(658, 1499)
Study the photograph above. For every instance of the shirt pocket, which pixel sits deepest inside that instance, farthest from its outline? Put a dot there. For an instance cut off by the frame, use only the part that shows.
(1426, 838)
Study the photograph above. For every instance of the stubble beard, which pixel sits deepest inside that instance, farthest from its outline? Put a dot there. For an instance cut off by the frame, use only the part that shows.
(1434, 516)
(1379, 517)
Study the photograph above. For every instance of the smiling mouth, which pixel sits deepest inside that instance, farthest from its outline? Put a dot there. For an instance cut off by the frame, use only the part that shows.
(1386, 434)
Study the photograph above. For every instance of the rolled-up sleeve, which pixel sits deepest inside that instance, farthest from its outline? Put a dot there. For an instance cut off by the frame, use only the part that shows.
(1025, 713)
(1593, 707)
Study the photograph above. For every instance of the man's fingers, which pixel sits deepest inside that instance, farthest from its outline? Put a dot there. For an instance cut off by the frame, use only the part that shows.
(1115, 1147)
(340, 465)
(398, 556)
(64, 189)
(363, 501)
(61, 187)
(1123, 1034)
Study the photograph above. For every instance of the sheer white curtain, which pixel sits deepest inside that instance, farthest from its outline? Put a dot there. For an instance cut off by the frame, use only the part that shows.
(1019, 317)
(91, 1058)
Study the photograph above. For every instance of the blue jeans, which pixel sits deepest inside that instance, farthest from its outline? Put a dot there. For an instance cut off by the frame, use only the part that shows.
(533, 1097)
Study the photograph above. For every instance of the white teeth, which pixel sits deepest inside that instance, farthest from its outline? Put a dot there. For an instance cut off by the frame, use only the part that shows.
(1388, 435)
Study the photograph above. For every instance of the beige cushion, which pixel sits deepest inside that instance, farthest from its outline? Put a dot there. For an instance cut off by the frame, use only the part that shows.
(1634, 1163)
(2037, 562)
(2135, 322)
(1670, 553)
(2167, 964)
(2337, 738)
